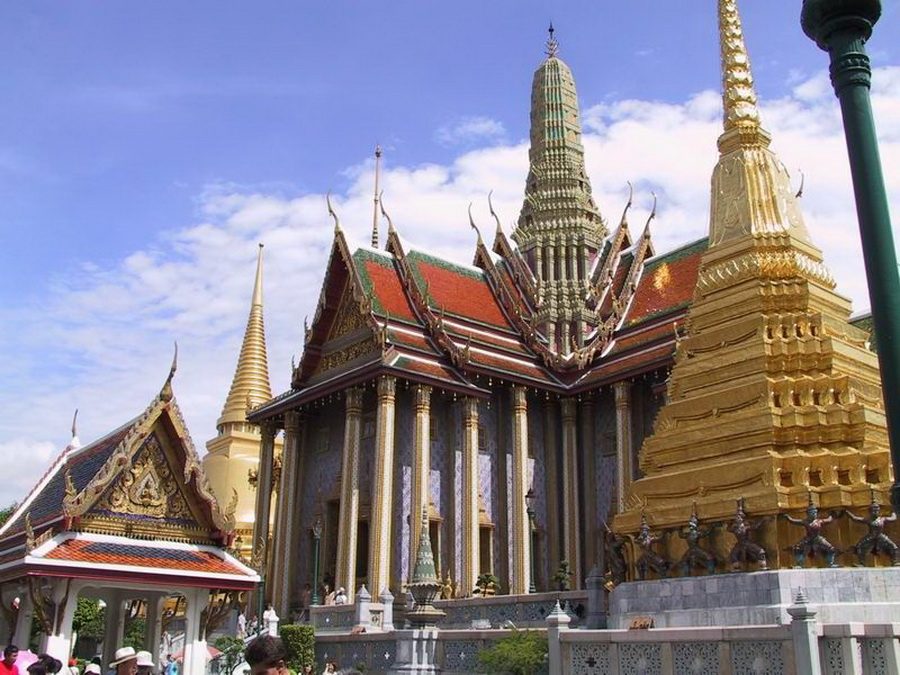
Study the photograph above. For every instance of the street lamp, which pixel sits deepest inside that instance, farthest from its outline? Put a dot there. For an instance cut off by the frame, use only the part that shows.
(317, 537)
(842, 28)
(529, 509)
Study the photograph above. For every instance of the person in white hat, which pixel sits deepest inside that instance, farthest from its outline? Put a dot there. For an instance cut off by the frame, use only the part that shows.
(92, 669)
(144, 663)
(125, 661)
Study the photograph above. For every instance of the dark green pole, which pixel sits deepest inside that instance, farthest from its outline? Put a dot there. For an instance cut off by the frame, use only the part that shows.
(842, 27)
(317, 537)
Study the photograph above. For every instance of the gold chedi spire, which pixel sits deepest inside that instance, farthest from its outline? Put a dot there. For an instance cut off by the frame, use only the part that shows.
(773, 394)
(250, 385)
(752, 191)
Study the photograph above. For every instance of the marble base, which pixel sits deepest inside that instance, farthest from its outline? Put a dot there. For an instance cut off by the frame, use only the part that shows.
(416, 652)
(843, 595)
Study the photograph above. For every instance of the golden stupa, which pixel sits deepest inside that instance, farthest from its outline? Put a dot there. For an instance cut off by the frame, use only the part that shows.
(774, 396)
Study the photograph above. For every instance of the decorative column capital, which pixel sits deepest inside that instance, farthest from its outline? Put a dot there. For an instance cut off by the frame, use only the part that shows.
(354, 400)
(622, 391)
(268, 429)
(520, 402)
(387, 386)
(470, 410)
(292, 421)
(567, 406)
(422, 393)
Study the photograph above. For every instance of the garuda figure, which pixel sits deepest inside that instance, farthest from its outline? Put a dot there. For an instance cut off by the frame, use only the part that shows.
(876, 541)
(650, 560)
(813, 542)
(745, 549)
(616, 567)
(695, 556)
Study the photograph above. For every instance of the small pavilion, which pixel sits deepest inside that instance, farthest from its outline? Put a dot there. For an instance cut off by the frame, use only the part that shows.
(130, 516)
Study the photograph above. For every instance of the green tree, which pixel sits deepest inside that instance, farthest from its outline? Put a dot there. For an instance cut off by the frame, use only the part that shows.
(300, 645)
(134, 633)
(522, 652)
(89, 619)
(7, 512)
(232, 653)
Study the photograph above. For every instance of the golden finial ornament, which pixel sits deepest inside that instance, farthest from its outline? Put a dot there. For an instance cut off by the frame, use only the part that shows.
(552, 48)
(166, 394)
(493, 214)
(738, 94)
(385, 213)
(473, 225)
(377, 198)
(337, 222)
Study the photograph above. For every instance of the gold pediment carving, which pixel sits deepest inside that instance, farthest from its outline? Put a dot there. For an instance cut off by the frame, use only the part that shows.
(147, 488)
(349, 318)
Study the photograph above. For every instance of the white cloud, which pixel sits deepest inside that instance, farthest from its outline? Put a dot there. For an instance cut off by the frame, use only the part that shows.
(470, 130)
(101, 338)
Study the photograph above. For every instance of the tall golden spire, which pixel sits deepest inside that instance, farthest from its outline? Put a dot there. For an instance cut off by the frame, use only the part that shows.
(751, 189)
(250, 386)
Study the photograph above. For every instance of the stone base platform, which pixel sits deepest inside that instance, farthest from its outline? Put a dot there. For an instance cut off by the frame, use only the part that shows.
(842, 595)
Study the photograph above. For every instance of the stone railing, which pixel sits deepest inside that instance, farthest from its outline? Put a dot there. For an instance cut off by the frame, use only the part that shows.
(855, 648)
(362, 616)
(509, 611)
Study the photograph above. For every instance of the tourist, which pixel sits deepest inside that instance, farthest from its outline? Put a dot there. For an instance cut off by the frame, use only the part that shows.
(327, 595)
(51, 665)
(171, 665)
(8, 664)
(73, 667)
(125, 661)
(306, 602)
(242, 626)
(341, 597)
(265, 655)
(270, 621)
(329, 668)
(37, 668)
(92, 669)
(144, 663)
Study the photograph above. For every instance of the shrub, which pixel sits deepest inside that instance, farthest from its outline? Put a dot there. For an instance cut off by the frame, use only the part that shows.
(523, 652)
(300, 645)
(232, 650)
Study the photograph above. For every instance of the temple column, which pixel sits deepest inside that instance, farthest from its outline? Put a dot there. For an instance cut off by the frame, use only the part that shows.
(348, 518)
(421, 480)
(551, 264)
(539, 263)
(471, 555)
(24, 619)
(287, 545)
(521, 527)
(264, 487)
(153, 631)
(623, 441)
(383, 489)
(552, 484)
(571, 503)
(195, 652)
(589, 484)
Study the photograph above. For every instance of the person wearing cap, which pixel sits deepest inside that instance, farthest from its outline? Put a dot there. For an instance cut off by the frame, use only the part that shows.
(341, 597)
(125, 661)
(92, 669)
(144, 663)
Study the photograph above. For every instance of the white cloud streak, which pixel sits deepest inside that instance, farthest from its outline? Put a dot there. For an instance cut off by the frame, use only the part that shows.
(101, 337)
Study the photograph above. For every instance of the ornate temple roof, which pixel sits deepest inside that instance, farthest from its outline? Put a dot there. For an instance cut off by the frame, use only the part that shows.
(94, 510)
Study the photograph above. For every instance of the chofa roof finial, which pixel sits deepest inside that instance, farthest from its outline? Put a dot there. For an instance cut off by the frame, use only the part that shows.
(166, 394)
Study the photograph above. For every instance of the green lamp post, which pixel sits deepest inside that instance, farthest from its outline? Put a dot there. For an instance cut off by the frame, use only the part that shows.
(317, 537)
(529, 509)
(842, 27)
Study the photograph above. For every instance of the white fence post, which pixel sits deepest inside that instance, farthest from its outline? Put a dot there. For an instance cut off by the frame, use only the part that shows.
(557, 621)
(805, 636)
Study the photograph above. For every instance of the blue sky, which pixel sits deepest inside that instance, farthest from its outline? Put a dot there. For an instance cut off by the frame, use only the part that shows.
(145, 147)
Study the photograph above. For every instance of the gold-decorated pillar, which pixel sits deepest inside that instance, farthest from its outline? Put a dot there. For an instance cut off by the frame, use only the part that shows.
(589, 484)
(551, 464)
(571, 504)
(288, 543)
(348, 519)
(622, 392)
(383, 489)
(264, 487)
(421, 480)
(521, 527)
(471, 554)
